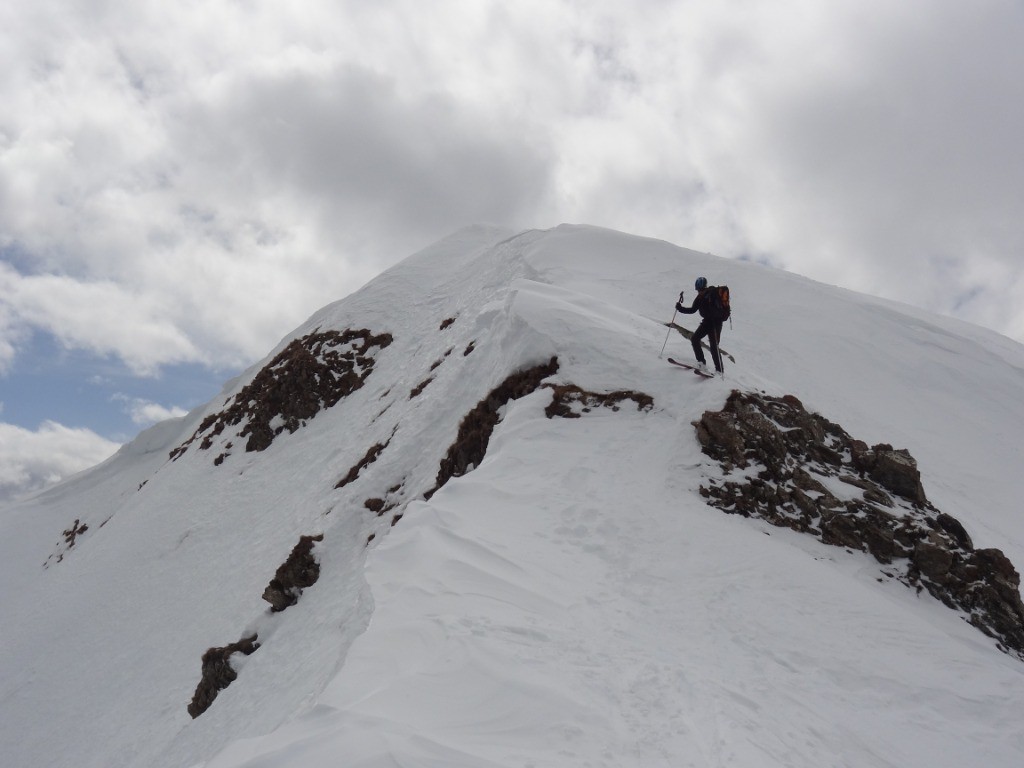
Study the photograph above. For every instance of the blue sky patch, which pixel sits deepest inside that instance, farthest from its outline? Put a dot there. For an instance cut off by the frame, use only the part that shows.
(80, 389)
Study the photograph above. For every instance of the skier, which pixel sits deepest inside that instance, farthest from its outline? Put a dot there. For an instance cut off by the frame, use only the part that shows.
(710, 325)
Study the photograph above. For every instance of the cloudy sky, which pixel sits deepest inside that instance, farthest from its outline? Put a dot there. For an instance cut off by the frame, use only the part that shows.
(181, 184)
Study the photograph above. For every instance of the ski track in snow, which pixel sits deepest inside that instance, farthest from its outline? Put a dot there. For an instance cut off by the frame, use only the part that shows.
(571, 601)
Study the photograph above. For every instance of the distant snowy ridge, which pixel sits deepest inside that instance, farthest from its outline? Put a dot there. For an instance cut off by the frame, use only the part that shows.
(484, 542)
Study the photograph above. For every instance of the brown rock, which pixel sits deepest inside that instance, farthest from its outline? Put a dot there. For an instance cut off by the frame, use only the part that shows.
(897, 472)
(218, 673)
(299, 571)
(719, 437)
(840, 530)
(791, 452)
(954, 528)
(863, 457)
(933, 558)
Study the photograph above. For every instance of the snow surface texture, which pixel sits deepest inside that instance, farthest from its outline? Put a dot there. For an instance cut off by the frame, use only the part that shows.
(570, 601)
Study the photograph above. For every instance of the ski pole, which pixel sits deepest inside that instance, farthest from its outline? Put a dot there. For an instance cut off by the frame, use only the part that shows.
(670, 324)
(718, 348)
(669, 333)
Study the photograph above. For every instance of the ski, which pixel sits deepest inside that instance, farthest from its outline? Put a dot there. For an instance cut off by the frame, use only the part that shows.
(688, 334)
(695, 369)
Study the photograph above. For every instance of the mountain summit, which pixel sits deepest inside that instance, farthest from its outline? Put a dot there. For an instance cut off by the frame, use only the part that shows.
(469, 516)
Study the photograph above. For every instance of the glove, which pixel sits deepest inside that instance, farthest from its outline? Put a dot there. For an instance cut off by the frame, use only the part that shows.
(679, 306)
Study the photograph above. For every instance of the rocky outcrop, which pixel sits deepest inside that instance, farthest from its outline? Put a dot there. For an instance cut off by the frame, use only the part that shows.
(70, 537)
(570, 401)
(796, 469)
(299, 571)
(71, 534)
(476, 427)
(310, 374)
(371, 456)
(418, 389)
(218, 673)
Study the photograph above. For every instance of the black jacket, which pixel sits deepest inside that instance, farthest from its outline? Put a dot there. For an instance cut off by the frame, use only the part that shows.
(700, 304)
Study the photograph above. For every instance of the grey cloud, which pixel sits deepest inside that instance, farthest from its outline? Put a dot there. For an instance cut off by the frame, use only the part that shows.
(350, 148)
(887, 162)
(219, 174)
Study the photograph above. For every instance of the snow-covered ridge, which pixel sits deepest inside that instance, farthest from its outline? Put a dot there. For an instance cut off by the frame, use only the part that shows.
(565, 597)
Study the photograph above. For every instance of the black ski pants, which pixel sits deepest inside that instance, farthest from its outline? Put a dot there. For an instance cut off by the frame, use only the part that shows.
(713, 330)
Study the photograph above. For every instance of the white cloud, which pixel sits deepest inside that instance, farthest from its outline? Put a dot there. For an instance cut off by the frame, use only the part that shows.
(10, 334)
(144, 413)
(31, 460)
(102, 317)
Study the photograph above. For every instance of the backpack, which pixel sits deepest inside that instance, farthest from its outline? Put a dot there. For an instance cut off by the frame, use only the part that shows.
(718, 303)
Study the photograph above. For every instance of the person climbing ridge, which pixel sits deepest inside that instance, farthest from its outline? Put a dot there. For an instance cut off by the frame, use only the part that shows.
(714, 310)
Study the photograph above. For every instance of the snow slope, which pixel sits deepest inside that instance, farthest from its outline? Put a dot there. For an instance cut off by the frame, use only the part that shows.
(572, 600)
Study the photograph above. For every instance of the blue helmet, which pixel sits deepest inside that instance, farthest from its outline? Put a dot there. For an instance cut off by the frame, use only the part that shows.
(701, 284)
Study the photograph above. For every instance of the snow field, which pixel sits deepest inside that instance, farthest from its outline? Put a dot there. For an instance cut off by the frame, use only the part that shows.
(571, 601)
